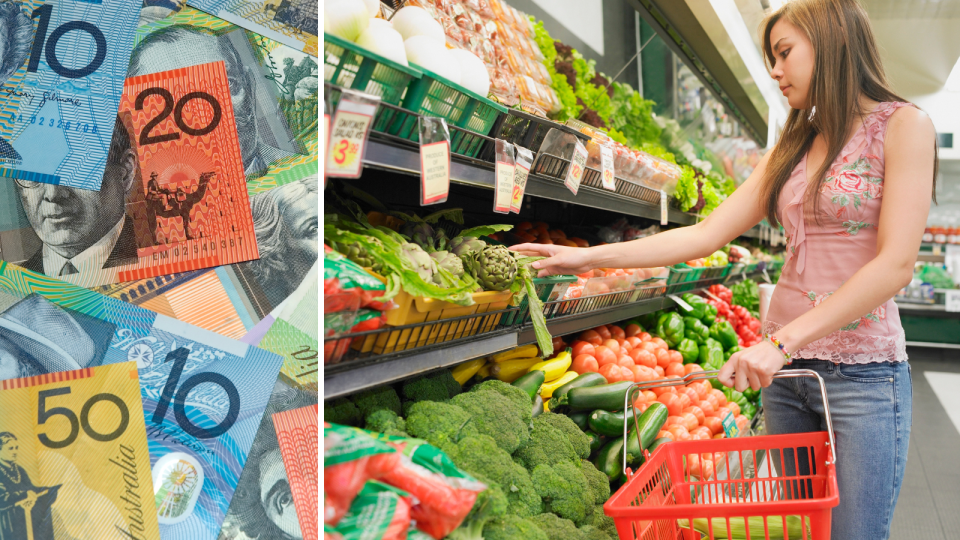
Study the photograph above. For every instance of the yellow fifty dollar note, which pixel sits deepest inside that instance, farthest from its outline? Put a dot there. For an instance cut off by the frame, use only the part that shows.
(74, 461)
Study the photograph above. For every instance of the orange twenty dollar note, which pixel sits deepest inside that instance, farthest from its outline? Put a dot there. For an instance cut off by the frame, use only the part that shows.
(189, 203)
(298, 435)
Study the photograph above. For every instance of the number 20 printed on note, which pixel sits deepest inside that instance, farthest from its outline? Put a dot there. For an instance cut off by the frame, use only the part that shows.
(189, 206)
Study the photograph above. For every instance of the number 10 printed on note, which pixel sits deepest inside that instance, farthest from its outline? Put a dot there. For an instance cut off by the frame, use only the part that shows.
(62, 72)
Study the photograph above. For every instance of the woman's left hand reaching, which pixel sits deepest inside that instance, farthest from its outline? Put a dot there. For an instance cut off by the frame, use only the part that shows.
(753, 367)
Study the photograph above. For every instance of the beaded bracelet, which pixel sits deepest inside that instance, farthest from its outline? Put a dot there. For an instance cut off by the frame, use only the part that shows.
(783, 349)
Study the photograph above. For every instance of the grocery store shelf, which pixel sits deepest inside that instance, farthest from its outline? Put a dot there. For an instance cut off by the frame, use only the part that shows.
(419, 361)
(386, 155)
(925, 308)
(930, 257)
(562, 326)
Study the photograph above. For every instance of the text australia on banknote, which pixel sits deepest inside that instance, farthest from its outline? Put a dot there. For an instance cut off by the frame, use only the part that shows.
(275, 101)
(203, 394)
(62, 73)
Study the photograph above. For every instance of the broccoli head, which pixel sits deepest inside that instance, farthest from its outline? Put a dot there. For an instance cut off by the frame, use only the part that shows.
(386, 422)
(445, 376)
(484, 460)
(440, 424)
(557, 528)
(514, 394)
(578, 439)
(497, 417)
(599, 520)
(491, 503)
(598, 482)
(341, 411)
(564, 490)
(589, 532)
(375, 399)
(511, 527)
(423, 389)
(547, 445)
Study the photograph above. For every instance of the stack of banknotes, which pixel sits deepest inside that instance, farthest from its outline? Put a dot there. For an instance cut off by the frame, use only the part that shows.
(158, 269)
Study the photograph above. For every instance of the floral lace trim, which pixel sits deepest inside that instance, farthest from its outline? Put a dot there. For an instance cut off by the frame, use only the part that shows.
(846, 347)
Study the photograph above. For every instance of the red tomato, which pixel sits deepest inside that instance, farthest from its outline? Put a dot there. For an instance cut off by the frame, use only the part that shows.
(693, 464)
(704, 431)
(663, 358)
(679, 432)
(634, 341)
(706, 469)
(584, 363)
(673, 421)
(626, 346)
(642, 408)
(675, 369)
(692, 394)
(626, 374)
(604, 355)
(617, 332)
(695, 436)
(626, 361)
(743, 422)
(641, 374)
(558, 344)
(611, 372)
(698, 412)
(644, 336)
(585, 347)
(660, 343)
(591, 336)
(613, 345)
(650, 395)
(734, 408)
(701, 389)
(650, 347)
(714, 424)
(663, 434)
(632, 330)
(675, 356)
(707, 408)
(690, 368)
(660, 373)
(661, 390)
(672, 401)
(644, 358)
(714, 402)
(721, 399)
(603, 331)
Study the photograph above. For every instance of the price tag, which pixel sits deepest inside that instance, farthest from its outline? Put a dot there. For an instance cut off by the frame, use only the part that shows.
(578, 164)
(663, 207)
(953, 300)
(520, 174)
(606, 166)
(348, 135)
(503, 175)
(683, 305)
(730, 425)
(434, 172)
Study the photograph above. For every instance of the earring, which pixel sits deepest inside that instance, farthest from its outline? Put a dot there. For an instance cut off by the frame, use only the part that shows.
(813, 111)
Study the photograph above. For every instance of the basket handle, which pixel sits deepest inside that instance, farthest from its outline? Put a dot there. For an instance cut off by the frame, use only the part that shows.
(704, 375)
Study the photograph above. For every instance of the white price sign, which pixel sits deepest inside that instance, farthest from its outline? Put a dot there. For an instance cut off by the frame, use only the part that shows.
(606, 165)
(577, 167)
(953, 300)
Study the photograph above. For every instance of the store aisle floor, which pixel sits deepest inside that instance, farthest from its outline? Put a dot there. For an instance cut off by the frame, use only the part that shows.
(929, 505)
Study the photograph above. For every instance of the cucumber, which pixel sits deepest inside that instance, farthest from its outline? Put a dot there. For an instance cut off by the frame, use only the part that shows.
(651, 422)
(580, 419)
(609, 423)
(609, 458)
(537, 406)
(634, 452)
(530, 383)
(608, 397)
(656, 444)
(596, 441)
(585, 380)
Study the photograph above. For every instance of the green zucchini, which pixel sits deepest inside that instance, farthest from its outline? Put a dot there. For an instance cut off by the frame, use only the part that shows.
(651, 422)
(584, 380)
(656, 444)
(596, 441)
(580, 419)
(609, 459)
(608, 397)
(609, 423)
(537, 406)
(530, 383)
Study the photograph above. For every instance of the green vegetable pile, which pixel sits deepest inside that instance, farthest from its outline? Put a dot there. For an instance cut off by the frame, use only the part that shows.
(747, 294)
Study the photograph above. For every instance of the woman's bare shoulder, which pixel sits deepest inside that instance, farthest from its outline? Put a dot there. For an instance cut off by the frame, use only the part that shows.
(910, 122)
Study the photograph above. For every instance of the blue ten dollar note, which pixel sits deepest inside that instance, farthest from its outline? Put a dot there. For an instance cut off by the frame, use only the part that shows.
(203, 394)
(62, 73)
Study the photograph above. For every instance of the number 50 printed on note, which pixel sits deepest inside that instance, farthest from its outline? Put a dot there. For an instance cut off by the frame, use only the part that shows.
(63, 67)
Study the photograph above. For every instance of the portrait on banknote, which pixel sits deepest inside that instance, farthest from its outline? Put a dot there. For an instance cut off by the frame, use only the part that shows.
(16, 38)
(39, 337)
(24, 507)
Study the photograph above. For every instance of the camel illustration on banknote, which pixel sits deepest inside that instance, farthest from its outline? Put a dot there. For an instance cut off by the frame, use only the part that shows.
(166, 203)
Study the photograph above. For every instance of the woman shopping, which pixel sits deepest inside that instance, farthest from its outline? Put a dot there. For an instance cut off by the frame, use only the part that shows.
(850, 181)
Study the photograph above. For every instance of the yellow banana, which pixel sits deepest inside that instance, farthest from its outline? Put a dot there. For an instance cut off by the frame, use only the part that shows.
(511, 370)
(464, 371)
(547, 389)
(556, 366)
(525, 351)
(484, 370)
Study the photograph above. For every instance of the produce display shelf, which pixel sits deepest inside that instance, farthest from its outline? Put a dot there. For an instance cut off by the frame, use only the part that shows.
(571, 324)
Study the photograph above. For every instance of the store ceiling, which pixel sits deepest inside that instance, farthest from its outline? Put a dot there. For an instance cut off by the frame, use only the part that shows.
(912, 9)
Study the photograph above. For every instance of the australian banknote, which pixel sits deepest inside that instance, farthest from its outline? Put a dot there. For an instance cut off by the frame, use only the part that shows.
(203, 394)
(298, 434)
(74, 459)
(294, 334)
(263, 506)
(63, 68)
(295, 23)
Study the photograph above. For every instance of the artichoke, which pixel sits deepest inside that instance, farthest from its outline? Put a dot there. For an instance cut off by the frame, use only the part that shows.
(358, 254)
(425, 266)
(462, 246)
(448, 261)
(440, 240)
(421, 234)
(494, 267)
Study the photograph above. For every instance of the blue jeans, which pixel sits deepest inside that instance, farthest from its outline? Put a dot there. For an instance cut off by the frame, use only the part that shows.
(871, 406)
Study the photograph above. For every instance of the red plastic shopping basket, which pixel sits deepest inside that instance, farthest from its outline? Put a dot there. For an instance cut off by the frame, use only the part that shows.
(765, 487)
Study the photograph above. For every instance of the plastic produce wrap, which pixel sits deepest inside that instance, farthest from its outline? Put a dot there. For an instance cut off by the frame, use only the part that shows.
(453, 32)
(350, 458)
(343, 276)
(379, 512)
(502, 86)
(559, 143)
(482, 7)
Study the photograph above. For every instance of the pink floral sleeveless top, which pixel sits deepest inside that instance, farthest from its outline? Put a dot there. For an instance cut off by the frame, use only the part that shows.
(820, 258)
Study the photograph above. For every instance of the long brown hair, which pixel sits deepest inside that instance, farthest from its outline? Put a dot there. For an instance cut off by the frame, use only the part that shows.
(846, 65)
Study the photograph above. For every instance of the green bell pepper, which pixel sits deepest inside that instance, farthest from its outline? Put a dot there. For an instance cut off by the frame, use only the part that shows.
(732, 395)
(697, 304)
(749, 410)
(636, 321)
(711, 355)
(751, 394)
(723, 332)
(689, 350)
(695, 330)
(670, 328)
(710, 317)
(649, 321)
(729, 352)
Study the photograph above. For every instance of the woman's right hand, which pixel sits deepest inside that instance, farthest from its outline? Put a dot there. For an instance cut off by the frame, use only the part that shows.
(560, 260)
